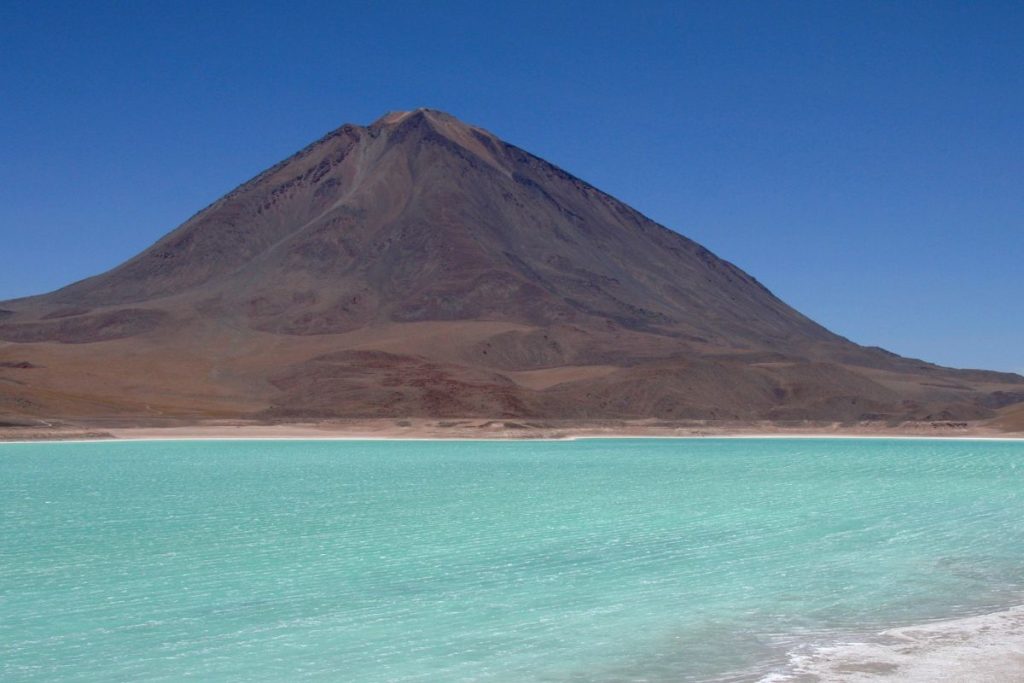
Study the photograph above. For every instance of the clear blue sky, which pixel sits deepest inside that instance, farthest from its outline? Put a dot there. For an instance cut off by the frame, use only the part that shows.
(865, 160)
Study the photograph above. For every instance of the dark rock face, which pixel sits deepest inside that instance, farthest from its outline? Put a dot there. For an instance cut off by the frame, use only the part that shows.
(117, 324)
(419, 266)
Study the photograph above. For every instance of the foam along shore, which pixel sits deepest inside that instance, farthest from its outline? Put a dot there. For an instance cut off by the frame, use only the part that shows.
(983, 649)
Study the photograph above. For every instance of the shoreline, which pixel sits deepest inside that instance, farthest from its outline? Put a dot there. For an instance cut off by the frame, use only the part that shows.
(484, 439)
(476, 429)
(984, 648)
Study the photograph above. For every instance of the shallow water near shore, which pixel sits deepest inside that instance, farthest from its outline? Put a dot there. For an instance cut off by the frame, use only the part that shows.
(593, 560)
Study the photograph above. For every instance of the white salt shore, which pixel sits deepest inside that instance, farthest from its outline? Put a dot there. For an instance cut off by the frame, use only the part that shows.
(982, 649)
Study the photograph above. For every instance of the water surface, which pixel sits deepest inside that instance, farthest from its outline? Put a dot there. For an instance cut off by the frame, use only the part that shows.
(595, 560)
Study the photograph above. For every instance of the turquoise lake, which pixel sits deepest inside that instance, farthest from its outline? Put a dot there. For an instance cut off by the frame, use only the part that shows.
(588, 561)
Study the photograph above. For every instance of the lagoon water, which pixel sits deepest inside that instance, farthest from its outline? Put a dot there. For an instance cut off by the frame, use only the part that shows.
(593, 560)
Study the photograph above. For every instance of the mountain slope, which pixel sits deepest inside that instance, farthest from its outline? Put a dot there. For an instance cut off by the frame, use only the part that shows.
(421, 266)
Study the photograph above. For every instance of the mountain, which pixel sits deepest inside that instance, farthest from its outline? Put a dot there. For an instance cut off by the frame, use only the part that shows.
(422, 267)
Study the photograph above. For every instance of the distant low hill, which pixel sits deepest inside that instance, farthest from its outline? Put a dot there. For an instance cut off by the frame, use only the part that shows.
(422, 267)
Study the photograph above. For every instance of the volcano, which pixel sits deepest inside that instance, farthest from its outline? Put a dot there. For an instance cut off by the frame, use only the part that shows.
(422, 267)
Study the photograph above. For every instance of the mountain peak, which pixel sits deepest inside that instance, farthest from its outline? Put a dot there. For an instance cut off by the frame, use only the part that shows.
(473, 139)
(393, 118)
